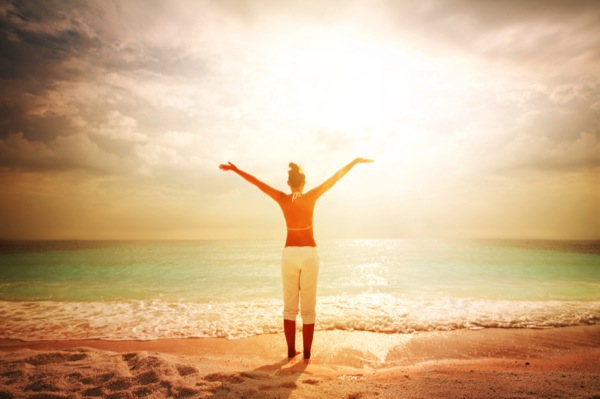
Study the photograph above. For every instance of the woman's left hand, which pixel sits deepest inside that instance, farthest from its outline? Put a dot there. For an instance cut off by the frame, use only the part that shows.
(228, 166)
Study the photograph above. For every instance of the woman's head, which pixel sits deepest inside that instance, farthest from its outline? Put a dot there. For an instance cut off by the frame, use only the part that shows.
(296, 177)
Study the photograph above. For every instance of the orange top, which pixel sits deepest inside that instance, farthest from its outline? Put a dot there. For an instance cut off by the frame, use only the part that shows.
(298, 213)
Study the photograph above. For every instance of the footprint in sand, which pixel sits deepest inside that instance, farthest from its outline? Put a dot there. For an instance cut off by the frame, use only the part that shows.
(185, 370)
(233, 378)
(120, 384)
(290, 384)
(57, 357)
(311, 381)
(149, 377)
(96, 391)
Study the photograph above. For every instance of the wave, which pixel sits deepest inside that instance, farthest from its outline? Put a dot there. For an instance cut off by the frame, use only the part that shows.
(383, 313)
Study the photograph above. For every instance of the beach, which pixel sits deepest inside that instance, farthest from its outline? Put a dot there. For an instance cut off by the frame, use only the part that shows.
(396, 319)
(487, 363)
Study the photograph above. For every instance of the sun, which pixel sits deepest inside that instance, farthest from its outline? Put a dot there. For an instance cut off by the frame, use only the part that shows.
(354, 83)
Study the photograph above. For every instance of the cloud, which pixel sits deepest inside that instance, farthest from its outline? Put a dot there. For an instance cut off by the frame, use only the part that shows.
(151, 96)
(72, 152)
(540, 153)
(38, 37)
(533, 37)
(121, 128)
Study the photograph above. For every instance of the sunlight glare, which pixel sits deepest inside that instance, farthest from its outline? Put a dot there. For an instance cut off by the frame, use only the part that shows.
(350, 83)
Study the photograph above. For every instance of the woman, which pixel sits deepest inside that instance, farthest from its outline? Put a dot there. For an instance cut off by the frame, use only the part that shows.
(300, 260)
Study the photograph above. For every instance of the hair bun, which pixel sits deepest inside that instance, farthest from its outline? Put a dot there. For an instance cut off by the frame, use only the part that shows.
(295, 175)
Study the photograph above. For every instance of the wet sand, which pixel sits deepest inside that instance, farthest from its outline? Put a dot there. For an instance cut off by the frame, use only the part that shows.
(491, 363)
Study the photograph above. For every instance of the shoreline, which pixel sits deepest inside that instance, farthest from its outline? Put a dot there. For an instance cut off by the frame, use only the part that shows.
(494, 363)
(384, 349)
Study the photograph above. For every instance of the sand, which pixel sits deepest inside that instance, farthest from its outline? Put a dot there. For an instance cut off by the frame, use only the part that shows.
(491, 363)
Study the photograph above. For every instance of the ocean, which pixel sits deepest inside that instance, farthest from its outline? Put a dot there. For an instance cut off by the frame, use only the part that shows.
(145, 290)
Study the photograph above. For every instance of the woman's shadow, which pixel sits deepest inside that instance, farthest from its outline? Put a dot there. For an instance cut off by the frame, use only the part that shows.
(277, 380)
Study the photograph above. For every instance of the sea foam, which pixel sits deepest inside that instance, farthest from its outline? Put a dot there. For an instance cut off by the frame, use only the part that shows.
(384, 313)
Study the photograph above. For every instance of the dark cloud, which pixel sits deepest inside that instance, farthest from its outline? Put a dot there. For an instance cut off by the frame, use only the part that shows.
(63, 74)
(38, 41)
(36, 38)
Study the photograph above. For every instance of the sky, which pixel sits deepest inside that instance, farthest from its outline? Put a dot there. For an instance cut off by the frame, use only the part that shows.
(483, 118)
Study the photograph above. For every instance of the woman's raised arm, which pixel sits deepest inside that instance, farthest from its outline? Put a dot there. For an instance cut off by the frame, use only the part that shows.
(327, 184)
(265, 188)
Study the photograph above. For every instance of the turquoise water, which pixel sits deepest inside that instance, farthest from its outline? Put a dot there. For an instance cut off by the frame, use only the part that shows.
(149, 290)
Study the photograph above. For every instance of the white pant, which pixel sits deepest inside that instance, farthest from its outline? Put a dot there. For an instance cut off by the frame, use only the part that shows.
(299, 271)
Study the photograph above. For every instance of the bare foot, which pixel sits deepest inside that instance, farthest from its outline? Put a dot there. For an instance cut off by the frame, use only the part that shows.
(293, 357)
